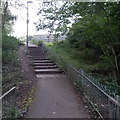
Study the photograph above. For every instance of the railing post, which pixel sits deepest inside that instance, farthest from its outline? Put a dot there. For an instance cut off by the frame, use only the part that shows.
(68, 70)
(0, 109)
(118, 109)
(82, 81)
(109, 109)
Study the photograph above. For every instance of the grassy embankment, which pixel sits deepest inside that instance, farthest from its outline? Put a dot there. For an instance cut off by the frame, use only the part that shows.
(72, 56)
(12, 76)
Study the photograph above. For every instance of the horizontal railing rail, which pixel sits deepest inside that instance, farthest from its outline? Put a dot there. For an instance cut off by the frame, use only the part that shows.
(8, 100)
(5, 94)
(105, 102)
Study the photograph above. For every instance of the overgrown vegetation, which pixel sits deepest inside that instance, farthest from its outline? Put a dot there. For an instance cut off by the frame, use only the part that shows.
(9, 47)
(10, 69)
(16, 103)
(71, 56)
(93, 36)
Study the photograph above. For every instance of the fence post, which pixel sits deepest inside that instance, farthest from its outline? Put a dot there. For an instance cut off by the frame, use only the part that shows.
(0, 109)
(82, 81)
(109, 109)
(118, 109)
(68, 70)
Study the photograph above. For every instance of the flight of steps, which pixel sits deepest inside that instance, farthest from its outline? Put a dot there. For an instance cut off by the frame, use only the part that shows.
(40, 62)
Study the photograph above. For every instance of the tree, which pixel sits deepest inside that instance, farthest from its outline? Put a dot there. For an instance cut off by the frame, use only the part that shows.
(56, 16)
(99, 25)
(94, 31)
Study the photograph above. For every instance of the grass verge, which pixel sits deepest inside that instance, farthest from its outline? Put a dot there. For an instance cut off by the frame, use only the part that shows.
(72, 57)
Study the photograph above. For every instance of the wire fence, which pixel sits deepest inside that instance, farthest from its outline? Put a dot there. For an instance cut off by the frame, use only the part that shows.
(107, 104)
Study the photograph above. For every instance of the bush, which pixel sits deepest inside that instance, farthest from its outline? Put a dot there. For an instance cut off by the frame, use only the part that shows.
(9, 43)
(9, 47)
(21, 42)
(9, 57)
(105, 65)
(40, 43)
(87, 55)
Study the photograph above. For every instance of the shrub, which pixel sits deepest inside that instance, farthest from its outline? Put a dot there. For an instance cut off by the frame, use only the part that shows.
(105, 65)
(40, 43)
(9, 47)
(9, 57)
(87, 55)
(9, 43)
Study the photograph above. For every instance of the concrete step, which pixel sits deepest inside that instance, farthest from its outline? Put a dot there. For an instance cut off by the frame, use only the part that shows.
(42, 61)
(35, 51)
(32, 47)
(35, 54)
(48, 71)
(43, 64)
(39, 58)
(45, 67)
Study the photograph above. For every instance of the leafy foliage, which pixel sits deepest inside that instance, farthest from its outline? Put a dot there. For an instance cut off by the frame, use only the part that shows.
(94, 33)
(9, 47)
(9, 43)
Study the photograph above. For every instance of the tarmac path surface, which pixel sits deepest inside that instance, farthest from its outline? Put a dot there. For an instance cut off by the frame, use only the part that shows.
(55, 97)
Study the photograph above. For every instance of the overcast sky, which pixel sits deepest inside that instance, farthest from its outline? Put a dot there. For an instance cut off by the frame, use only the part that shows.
(20, 26)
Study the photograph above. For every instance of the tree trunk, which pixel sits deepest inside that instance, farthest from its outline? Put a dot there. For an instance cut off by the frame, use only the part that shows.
(4, 15)
(118, 78)
(117, 67)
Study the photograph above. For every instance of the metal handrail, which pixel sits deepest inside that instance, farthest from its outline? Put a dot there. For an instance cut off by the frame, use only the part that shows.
(7, 93)
(109, 99)
(77, 70)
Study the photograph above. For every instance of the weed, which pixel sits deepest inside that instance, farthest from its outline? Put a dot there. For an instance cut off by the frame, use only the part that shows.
(29, 99)
(13, 113)
(26, 52)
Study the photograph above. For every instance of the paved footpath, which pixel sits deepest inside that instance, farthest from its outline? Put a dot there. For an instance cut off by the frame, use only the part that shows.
(55, 97)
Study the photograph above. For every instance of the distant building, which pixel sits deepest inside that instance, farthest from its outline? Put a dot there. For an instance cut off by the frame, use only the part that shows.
(48, 38)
